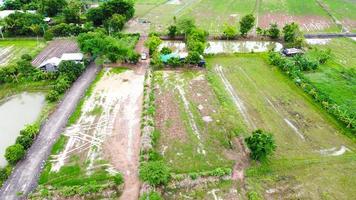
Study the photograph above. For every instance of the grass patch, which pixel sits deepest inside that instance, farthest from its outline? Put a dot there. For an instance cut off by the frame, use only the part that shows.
(78, 110)
(97, 110)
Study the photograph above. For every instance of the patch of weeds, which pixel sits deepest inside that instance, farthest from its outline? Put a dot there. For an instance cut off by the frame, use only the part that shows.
(78, 111)
(97, 110)
(118, 70)
(59, 145)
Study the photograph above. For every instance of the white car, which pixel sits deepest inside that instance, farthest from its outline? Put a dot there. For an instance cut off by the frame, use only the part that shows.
(143, 56)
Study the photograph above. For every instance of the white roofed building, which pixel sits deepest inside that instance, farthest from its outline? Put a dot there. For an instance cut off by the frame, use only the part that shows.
(50, 65)
(76, 57)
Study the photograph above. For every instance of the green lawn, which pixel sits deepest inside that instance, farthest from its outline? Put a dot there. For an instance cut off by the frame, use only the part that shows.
(337, 78)
(15, 48)
(298, 169)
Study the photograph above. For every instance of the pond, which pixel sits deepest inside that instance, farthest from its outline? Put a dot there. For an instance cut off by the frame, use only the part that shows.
(224, 46)
(15, 112)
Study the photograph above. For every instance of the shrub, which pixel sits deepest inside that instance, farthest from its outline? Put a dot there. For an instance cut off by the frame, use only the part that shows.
(172, 31)
(261, 145)
(252, 195)
(30, 130)
(155, 173)
(246, 24)
(193, 57)
(273, 31)
(174, 62)
(118, 179)
(166, 50)
(26, 57)
(151, 196)
(14, 153)
(152, 43)
(52, 96)
(48, 35)
(25, 141)
(230, 32)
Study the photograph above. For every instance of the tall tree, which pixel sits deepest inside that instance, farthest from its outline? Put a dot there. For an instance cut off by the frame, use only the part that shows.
(246, 24)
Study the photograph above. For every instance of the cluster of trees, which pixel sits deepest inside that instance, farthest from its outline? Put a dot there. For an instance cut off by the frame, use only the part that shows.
(103, 47)
(23, 71)
(272, 32)
(68, 72)
(293, 68)
(16, 152)
(112, 14)
(246, 24)
(69, 17)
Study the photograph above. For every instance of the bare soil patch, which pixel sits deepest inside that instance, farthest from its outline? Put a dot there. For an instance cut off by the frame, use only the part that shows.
(122, 148)
(307, 23)
(55, 49)
(168, 117)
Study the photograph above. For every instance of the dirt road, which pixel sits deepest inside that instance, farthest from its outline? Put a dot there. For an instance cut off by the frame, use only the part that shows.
(24, 178)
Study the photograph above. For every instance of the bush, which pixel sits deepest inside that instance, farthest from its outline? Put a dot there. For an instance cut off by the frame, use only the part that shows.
(252, 195)
(174, 62)
(261, 145)
(246, 24)
(151, 196)
(166, 50)
(5, 173)
(230, 32)
(52, 96)
(30, 130)
(62, 84)
(193, 57)
(25, 141)
(14, 153)
(155, 173)
(118, 179)
(48, 35)
(26, 57)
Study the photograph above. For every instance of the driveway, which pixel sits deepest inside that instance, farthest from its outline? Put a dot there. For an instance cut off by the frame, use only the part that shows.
(26, 173)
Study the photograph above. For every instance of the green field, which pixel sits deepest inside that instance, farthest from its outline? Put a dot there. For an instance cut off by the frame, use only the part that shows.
(337, 78)
(209, 14)
(344, 11)
(12, 49)
(181, 109)
(298, 169)
(308, 14)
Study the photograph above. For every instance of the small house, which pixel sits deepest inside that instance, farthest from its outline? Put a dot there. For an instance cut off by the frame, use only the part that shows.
(292, 52)
(50, 65)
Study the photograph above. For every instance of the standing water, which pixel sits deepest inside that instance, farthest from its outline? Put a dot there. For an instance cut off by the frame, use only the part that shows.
(15, 113)
(216, 47)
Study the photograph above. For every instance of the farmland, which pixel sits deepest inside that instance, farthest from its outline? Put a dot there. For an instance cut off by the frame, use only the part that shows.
(211, 15)
(344, 11)
(337, 77)
(270, 101)
(309, 14)
(12, 49)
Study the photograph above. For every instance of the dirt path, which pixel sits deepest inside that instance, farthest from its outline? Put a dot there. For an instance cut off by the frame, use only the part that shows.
(123, 147)
(25, 175)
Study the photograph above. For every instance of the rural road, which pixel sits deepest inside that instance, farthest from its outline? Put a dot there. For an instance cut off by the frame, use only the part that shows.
(26, 173)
